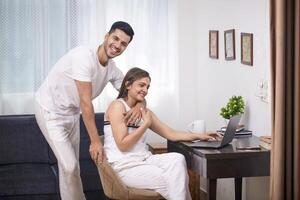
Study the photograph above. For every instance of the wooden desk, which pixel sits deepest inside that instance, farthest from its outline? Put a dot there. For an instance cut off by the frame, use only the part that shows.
(226, 162)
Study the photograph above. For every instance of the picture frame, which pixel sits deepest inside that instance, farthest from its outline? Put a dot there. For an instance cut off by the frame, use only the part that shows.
(229, 44)
(247, 48)
(214, 44)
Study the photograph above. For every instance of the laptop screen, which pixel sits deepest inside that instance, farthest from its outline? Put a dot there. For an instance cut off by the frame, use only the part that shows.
(230, 130)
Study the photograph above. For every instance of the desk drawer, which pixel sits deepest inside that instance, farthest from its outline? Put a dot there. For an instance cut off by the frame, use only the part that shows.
(256, 165)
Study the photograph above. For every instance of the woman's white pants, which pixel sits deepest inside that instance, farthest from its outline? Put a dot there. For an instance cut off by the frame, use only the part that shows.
(164, 173)
(63, 136)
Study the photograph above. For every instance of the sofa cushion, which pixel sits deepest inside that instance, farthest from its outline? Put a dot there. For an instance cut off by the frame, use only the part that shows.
(27, 179)
(89, 176)
(21, 140)
(35, 197)
(95, 195)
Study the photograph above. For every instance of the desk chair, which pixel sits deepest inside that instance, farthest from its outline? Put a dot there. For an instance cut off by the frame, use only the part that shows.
(114, 188)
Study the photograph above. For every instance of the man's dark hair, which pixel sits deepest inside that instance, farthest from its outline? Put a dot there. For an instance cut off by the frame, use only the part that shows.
(124, 26)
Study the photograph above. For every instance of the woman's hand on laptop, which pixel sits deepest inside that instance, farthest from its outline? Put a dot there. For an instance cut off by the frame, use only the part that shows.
(210, 136)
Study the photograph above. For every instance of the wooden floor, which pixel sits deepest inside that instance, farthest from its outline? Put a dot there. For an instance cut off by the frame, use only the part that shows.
(203, 195)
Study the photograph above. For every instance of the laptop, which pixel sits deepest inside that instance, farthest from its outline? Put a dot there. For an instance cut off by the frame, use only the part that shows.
(227, 137)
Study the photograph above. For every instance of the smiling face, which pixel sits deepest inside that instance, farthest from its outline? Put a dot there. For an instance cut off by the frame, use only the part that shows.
(115, 43)
(138, 90)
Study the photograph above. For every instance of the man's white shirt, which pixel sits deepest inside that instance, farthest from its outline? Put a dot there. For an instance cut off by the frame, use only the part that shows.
(58, 93)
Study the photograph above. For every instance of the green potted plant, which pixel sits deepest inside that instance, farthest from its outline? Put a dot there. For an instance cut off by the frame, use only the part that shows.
(235, 106)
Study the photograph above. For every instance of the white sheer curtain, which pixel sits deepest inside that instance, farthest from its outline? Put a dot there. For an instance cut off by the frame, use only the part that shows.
(153, 48)
(35, 33)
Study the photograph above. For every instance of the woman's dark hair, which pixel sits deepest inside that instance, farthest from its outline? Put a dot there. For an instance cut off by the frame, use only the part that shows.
(124, 26)
(132, 75)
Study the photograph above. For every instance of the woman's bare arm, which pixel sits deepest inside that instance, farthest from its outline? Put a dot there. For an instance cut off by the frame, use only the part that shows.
(167, 132)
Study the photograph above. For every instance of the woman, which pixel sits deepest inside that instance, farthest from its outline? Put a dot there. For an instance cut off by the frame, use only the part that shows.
(126, 149)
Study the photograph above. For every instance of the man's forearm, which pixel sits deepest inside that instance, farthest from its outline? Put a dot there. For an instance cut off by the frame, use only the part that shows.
(88, 116)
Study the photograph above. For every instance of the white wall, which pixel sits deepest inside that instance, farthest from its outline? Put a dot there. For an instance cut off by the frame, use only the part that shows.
(206, 84)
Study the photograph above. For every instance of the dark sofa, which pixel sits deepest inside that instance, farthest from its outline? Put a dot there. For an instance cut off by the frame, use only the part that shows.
(28, 167)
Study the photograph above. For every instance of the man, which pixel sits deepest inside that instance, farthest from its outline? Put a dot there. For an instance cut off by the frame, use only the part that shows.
(76, 79)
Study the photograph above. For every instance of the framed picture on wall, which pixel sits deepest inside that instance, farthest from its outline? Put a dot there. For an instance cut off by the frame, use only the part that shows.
(229, 44)
(247, 48)
(214, 44)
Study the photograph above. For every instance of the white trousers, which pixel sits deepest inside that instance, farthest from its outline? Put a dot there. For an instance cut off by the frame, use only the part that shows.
(63, 136)
(163, 173)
